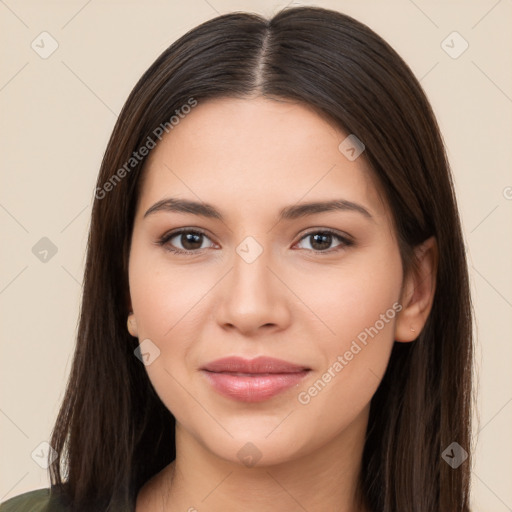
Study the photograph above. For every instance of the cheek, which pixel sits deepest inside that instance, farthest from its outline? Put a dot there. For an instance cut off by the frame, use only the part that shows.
(171, 305)
(164, 301)
(359, 305)
(166, 305)
(350, 298)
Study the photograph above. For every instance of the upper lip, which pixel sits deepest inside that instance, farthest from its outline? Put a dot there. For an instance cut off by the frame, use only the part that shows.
(262, 364)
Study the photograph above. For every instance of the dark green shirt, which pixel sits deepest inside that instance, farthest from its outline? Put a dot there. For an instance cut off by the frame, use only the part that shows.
(34, 501)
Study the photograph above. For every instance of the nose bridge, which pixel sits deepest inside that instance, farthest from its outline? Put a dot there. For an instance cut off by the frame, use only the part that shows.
(252, 295)
(251, 274)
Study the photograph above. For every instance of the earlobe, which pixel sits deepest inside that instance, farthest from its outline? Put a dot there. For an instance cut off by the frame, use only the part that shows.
(132, 325)
(418, 292)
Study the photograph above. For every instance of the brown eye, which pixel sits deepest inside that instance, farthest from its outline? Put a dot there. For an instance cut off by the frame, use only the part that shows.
(184, 241)
(321, 241)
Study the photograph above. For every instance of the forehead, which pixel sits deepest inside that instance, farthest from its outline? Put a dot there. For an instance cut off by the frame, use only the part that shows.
(256, 152)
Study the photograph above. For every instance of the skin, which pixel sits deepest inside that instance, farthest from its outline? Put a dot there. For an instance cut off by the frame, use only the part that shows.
(250, 158)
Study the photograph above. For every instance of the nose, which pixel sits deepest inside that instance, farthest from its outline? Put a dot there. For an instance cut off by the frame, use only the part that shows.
(252, 298)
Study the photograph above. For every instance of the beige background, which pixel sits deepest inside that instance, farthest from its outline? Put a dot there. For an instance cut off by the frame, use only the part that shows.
(58, 112)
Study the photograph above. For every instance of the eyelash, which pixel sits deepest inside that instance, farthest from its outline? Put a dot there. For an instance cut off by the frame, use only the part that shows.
(163, 241)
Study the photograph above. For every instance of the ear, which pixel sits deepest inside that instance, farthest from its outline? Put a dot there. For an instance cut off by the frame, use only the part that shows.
(132, 325)
(418, 292)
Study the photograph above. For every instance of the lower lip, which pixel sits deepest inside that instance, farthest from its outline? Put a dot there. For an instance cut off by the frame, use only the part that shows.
(255, 388)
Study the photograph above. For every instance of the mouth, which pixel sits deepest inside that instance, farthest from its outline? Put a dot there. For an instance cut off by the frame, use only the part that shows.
(253, 380)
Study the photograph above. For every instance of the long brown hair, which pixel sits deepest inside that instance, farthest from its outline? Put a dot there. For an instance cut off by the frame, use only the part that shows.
(113, 432)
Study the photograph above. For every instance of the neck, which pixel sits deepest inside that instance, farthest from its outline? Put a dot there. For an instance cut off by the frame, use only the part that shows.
(327, 478)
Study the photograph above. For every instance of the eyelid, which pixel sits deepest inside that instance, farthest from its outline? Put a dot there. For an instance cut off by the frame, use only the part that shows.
(330, 231)
(164, 239)
(345, 239)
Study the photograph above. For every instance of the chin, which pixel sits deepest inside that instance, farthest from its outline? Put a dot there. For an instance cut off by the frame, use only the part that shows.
(257, 449)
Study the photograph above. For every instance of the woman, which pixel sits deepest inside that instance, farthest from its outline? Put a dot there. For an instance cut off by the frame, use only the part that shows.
(276, 311)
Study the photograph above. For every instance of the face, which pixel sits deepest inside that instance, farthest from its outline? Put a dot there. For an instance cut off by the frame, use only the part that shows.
(257, 274)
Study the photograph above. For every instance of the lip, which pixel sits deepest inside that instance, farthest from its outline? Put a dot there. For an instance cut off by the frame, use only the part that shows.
(253, 380)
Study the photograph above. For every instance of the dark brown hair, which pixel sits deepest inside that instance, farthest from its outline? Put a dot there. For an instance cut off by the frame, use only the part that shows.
(113, 432)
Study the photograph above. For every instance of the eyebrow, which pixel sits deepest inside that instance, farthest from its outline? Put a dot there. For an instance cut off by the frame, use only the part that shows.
(296, 211)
